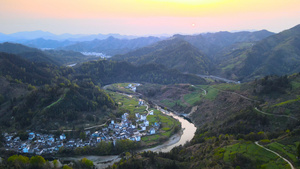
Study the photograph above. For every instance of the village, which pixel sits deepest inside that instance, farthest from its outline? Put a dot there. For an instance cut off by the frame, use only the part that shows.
(38, 143)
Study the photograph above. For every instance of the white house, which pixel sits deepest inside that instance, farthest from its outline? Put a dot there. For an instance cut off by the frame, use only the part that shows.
(98, 139)
(143, 128)
(143, 117)
(124, 116)
(141, 102)
(133, 89)
(31, 136)
(133, 126)
(62, 137)
(152, 131)
(138, 138)
(112, 122)
(146, 122)
(25, 150)
(151, 112)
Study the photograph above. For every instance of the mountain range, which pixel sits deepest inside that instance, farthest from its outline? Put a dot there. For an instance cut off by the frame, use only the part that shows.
(111, 45)
(31, 35)
(239, 56)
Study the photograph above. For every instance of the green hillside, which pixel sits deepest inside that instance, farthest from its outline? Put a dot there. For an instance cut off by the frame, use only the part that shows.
(275, 55)
(172, 53)
(107, 72)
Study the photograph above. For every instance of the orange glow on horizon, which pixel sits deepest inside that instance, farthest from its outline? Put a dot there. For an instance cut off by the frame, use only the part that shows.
(141, 8)
(205, 14)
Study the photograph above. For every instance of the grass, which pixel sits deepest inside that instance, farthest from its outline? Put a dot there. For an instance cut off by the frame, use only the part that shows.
(167, 126)
(285, 150)
(54, 103)
(286, 102)
(227, 86)
(295, 85)
(199, 94)
(129, 103)
(172, 103)
(258, 155)
(168, 103)
(211, 92)
(151, 138)
(57, 101)
(192, 98)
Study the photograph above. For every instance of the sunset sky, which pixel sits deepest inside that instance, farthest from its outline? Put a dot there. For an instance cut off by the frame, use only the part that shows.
(144, 17)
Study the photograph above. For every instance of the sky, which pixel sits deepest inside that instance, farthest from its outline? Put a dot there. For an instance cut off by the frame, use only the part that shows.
(147, 17)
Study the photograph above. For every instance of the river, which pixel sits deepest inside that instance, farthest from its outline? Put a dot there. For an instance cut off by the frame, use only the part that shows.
(186, 134)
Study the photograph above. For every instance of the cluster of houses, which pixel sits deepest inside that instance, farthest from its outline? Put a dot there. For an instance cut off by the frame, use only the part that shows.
(36, 143)
(127, 129)
(47, 143)
(132, 86)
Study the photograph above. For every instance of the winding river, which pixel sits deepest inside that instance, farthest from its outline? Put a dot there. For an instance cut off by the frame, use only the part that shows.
(187, 133)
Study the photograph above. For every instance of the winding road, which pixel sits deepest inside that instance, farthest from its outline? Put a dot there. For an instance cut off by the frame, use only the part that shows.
(291, 165)
(269, 114)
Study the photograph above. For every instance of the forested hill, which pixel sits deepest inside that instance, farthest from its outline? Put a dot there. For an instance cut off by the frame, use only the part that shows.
(40, 96)
(278, 54)
(107, 72)
(173, 53)
(53, 57)
(16, 68)
(31, 54)
(212, 43)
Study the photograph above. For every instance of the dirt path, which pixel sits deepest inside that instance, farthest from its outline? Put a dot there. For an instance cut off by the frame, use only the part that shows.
(205, 92)
(291, 165)
(269, 114)
(96, 125)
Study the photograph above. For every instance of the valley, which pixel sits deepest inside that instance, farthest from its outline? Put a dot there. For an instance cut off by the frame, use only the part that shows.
(214, 100)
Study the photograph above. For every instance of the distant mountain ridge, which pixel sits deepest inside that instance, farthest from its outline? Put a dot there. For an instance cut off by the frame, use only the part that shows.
(47, 43)
(194, 53)
(211, 43)
(111, 45)
(30, 35)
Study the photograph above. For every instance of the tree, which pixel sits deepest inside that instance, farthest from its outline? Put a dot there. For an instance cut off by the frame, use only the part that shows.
(87, 163)
(82, 135)
(18, 161)
(67, 167)
(37, 161)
